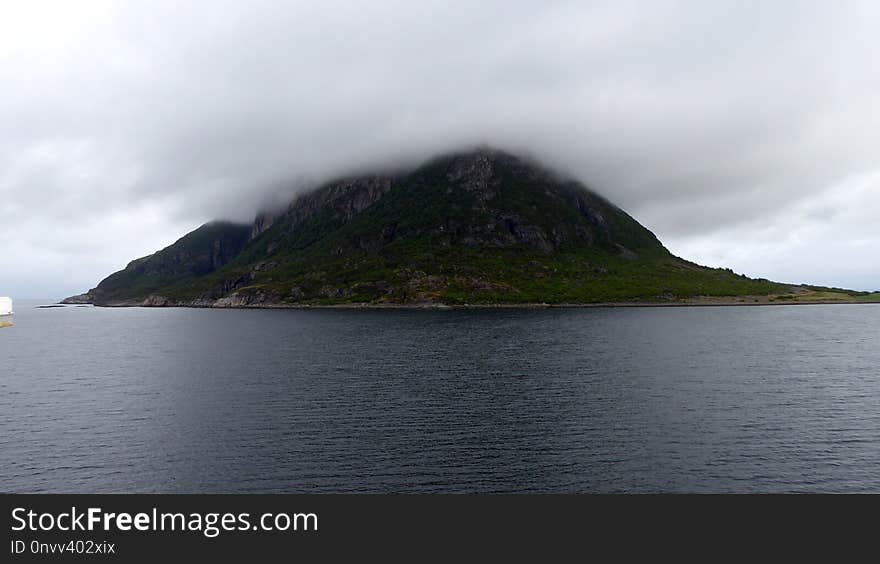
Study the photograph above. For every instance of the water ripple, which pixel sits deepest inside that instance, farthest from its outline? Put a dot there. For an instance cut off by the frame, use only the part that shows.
(607, 400)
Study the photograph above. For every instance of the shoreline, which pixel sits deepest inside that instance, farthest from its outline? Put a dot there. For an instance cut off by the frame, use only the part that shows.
(712, 302)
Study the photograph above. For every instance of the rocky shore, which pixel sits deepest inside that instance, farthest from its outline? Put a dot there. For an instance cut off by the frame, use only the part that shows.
(246, 302)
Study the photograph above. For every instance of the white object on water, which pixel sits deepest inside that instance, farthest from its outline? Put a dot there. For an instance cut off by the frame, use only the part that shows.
(5, 312)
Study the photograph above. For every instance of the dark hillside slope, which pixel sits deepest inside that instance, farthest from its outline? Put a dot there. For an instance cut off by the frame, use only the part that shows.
(195, 255)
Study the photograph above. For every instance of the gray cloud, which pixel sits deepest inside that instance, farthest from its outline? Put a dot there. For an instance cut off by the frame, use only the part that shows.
(737, 131)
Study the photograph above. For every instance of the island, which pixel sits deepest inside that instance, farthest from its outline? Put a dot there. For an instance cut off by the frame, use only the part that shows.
(476, 228)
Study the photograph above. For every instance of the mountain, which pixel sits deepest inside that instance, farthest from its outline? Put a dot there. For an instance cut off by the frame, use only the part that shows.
(477, 227)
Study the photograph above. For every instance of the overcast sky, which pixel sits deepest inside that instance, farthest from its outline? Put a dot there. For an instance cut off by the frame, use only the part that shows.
(744, 134)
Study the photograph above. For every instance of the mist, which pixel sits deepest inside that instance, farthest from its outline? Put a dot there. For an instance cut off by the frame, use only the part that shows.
(743, 134)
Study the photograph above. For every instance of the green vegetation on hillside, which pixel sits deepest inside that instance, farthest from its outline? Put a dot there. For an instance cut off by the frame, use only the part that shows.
(417, 271)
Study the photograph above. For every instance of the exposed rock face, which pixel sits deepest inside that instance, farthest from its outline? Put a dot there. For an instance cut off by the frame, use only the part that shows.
(262, 223)
(478, 226)
(156, 301)
(344, 199)
(78, 299)
(258, 298)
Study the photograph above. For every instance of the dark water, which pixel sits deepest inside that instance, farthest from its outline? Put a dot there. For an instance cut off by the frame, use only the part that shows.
(636, 400)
